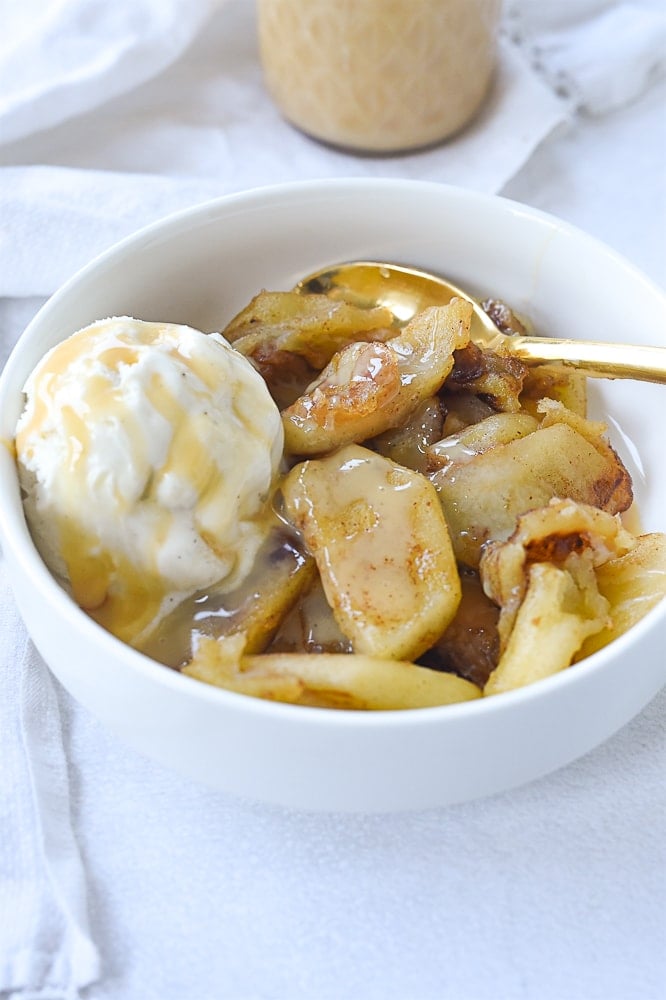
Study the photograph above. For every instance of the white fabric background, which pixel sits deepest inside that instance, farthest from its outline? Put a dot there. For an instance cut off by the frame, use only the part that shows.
(119, 880)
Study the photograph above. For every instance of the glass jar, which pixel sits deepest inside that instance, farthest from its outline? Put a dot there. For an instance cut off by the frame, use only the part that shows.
(379, 76)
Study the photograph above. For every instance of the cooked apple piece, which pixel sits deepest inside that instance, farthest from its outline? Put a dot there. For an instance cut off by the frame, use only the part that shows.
(281, 573)
(311, 326)
(310, 626)
(290, 337)
(633, 584)
(544, 580)
(329, 680)
(566, 385)
(500, 428)
(557, 614)
(409, 444)
(380, 541)
(368, 388)
(566, 456)
(265, 599)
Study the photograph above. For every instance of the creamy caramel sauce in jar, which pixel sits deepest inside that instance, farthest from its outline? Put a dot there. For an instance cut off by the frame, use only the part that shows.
(378, 76)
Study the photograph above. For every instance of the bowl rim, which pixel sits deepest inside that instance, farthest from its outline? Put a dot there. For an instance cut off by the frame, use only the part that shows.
(25, 553)
(168, 225)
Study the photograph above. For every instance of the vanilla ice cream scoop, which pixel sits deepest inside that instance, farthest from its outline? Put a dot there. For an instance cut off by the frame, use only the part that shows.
(146, 454)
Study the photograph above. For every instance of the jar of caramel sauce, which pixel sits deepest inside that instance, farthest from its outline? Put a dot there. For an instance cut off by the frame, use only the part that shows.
(378, 76)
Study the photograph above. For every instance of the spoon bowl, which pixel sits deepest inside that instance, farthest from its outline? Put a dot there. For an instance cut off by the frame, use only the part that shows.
(406, 291)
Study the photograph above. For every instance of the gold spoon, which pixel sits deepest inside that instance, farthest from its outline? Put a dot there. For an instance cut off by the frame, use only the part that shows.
(406, 291)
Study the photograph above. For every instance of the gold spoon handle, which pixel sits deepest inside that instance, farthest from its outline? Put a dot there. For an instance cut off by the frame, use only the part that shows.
(597, 360)
(405, 291)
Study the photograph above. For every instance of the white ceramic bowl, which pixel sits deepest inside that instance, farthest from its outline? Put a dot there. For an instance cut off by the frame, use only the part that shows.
(200, 267)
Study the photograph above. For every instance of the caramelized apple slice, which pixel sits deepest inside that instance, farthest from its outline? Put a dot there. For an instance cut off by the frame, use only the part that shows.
(368, 388)
(281, 574)
(544, 578)
(566, 456)
(326, 680)
(380, 541)
(633, 584)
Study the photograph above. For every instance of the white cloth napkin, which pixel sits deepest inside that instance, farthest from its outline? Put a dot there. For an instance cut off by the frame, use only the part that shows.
(45, 944)
(597, 55)
(60, 58)
(111, 115)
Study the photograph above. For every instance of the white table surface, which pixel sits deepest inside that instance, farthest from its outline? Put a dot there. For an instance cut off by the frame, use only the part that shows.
(551, 891)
